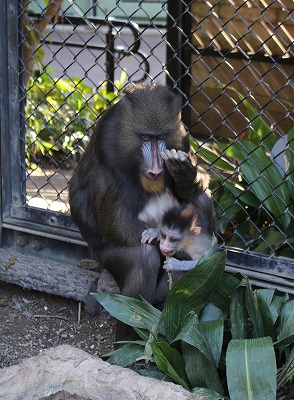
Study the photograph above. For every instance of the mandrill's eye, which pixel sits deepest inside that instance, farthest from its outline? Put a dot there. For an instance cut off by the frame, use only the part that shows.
(145, 137)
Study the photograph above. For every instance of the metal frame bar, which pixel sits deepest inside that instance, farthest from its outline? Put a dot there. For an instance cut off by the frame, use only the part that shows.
(13, 177)
(57, 229)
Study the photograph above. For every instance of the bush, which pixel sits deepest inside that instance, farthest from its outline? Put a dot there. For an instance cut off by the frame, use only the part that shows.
(59, 114)
(216, 336)
(254, 198)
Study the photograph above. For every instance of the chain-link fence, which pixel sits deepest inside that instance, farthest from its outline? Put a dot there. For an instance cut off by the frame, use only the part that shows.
(231, 61)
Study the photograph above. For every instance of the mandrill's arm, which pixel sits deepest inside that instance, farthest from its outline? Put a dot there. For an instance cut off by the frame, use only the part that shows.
(172, 264)
(190, 179)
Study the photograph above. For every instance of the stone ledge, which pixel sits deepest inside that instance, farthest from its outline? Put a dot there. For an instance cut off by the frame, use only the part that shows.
(70, 373)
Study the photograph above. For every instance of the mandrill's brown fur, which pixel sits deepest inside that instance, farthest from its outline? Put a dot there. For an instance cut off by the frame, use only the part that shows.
(106, 191)
(117, 176)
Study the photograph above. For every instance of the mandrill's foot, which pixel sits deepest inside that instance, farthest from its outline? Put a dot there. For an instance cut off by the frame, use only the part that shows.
(107, 284)
(89, 264)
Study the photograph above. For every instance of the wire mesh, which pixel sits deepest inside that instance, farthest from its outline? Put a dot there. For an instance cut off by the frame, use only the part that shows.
(234, 68)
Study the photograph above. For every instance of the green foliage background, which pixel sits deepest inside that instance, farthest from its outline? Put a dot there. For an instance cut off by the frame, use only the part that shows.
(215, 336)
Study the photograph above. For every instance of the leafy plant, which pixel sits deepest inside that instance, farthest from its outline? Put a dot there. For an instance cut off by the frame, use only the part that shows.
(215, 336)
(58, 116)
(253, 196)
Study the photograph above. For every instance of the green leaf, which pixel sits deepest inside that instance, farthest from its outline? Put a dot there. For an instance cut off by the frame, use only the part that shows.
(133, 312)
(290, 159)
(221, 298)
(264, 179)
(193, 334)
(276, 305)
(211, 313)
(238, 314)
(169, 361)
(204, 394)
(287, 372)
(200, 371)
(211, 157)
(259, 130)
(251, 369)
(122, 78)
(210, 252)
(242, 194)
(126, 355)
(151, 373)
(192, 292)
(226, 208)
(259, 313)
(272, 239)
(288, 101)
(286, 321)
(214, 333)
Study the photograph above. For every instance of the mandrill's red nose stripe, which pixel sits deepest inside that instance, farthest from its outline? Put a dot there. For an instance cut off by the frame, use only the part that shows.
(156, 170)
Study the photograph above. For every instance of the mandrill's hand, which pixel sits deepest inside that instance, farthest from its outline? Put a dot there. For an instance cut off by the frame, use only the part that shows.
(172, 264)
(150, 234)
(181, 168)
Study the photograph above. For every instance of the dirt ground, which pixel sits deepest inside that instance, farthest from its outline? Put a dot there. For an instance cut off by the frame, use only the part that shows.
(31, 322)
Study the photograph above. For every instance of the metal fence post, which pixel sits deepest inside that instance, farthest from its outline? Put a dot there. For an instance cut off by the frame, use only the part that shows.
(178, 54)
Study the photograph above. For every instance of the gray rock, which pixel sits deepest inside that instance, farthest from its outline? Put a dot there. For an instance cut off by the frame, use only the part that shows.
(74, 374)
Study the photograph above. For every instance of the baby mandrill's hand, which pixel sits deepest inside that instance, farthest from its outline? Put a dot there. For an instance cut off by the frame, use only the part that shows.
(149, 234)
(171, 264)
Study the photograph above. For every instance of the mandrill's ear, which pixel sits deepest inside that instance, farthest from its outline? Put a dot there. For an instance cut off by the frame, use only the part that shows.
(130, 89)
(196, 230)
(133, 87)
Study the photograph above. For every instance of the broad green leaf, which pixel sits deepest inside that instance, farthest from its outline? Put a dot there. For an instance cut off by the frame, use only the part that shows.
(251, 369)
(290, 159)
(259, 313)
(210, 156)
(214, 333)
(126, 355)
(221, 298)
(284, 343)
(210, 252)
(211, 313)
(276, 305)
(243, 194)
(133, 312)
(192, 333)
(151, 373)
(287, 372)
(272, 239)
(227, 208)
(273, 302)
(267, 295)
(204, 394)
(289, 101)
(169, 361)
(259, 130)
(238, 314)
(192, 292)
(264, 179)
(200, 371)
(286, 321)
(122, 78)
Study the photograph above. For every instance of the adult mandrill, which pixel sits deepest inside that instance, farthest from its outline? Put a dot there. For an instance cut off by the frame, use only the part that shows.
(134, 154)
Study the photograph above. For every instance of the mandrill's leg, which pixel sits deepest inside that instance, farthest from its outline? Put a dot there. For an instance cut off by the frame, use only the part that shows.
(135, 270)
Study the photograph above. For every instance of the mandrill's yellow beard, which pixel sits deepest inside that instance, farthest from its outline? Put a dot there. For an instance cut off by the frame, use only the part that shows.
(155, 187)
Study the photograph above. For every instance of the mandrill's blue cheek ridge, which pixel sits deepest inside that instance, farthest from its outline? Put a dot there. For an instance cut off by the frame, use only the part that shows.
(161, 145)
(146, 150)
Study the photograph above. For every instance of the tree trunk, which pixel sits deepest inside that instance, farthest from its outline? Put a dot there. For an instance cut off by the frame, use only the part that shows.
(60, 279)
(32, 33)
